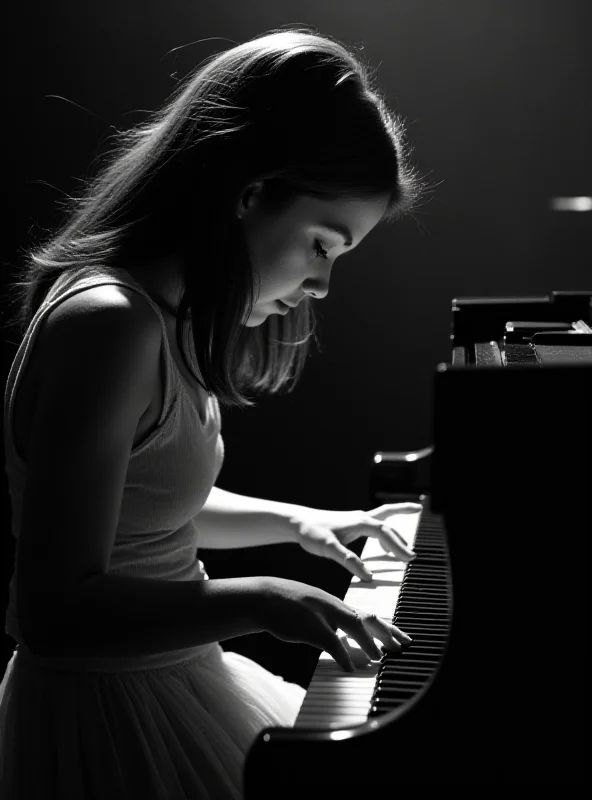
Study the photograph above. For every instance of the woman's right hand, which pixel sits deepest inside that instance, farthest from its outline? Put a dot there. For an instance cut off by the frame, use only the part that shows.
(296, 612)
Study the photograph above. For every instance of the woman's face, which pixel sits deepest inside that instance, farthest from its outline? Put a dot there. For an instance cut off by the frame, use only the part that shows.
(293, 251)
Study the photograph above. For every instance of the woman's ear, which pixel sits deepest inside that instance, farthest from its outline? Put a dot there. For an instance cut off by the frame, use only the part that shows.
(248, 197)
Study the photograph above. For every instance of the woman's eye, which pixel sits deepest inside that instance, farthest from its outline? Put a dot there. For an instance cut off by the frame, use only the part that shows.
(319, 250)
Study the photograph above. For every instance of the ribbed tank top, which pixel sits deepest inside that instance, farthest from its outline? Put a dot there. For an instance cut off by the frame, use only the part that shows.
(170, 473)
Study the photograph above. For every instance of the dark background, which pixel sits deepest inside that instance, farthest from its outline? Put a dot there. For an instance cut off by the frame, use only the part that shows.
(496, 94)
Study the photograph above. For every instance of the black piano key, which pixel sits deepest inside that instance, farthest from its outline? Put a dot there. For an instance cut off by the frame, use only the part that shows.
(427, 579)
(427, 606)
(401, 666)
(432, 639)
(415, 656)
(420, 623)
(423, 634)
(425, 631)
(384, 704)
(422, 615)
(409, 595)
(429, 644)
(402, 673)
(386, 690)
(392, 676)
(400, 693)
(428, 656)
(407, 610)
(423, 612)
(420, 658)
(419, 655)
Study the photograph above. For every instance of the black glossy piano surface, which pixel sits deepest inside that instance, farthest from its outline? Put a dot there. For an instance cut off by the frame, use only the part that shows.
(509, 478)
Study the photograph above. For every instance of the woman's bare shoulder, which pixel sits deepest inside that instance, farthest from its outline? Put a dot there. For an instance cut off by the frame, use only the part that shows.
(81, 304)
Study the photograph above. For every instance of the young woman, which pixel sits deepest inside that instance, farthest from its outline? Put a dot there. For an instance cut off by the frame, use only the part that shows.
(183, 279)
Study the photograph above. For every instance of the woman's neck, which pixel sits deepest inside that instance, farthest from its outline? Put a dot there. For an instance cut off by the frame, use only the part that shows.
(160, 284)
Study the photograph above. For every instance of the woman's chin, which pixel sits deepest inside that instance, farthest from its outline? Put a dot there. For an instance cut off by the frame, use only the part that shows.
(260, 313)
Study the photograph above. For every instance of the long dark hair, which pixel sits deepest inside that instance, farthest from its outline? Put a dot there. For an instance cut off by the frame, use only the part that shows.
(292, 108)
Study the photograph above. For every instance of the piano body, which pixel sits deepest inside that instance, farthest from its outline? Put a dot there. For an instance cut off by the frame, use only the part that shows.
(494, 689)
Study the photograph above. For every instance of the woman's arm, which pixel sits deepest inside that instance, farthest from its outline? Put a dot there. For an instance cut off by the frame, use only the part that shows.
(230, 520)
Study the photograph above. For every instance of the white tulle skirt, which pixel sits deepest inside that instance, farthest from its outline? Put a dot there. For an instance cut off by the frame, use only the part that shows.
(149, 729)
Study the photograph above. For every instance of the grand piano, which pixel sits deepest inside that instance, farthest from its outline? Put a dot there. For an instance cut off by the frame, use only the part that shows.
(494, 688)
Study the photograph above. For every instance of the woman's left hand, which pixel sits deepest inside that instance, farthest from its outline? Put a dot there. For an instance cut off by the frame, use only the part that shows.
(326, 533)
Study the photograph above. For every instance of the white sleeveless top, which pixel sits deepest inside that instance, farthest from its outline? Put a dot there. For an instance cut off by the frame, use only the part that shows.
(169, 477)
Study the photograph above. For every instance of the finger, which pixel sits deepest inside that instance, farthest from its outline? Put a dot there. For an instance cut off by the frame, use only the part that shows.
(357, 655)
(400, 635)
(395, 508)
(326, 639)
(408, 508)
(391, 636)
(338, 651)
(388, 539)
(357, 630)
(395, 536)
(349, 560)
(393, 539)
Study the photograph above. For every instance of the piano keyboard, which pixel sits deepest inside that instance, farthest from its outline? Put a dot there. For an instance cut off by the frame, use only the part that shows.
(414, 597)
